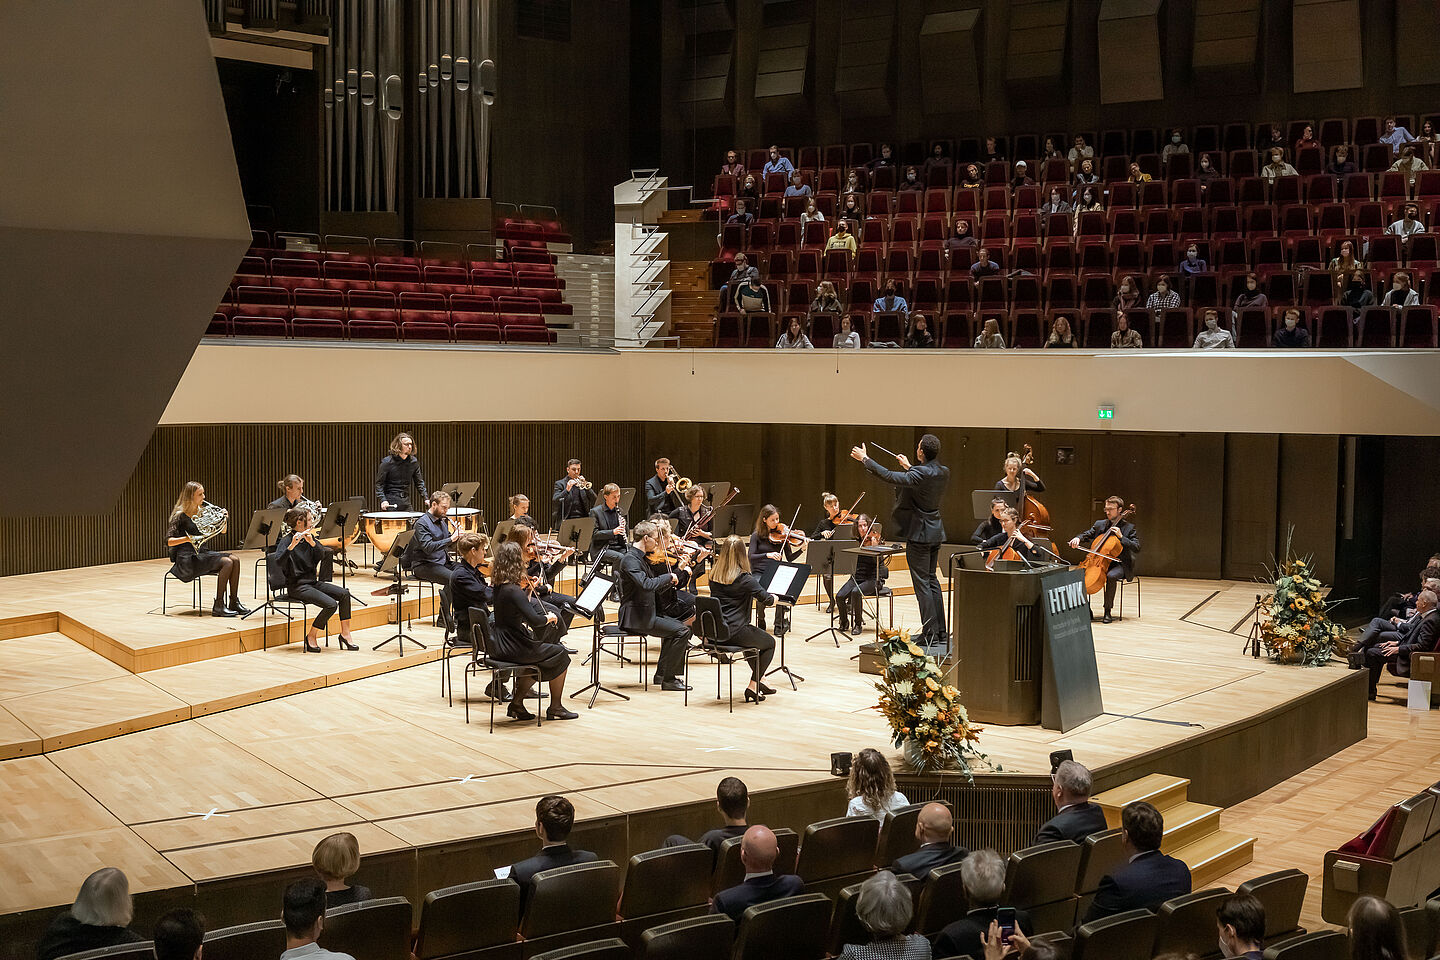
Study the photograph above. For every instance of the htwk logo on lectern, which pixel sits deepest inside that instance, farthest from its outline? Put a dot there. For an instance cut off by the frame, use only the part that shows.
(1067, 596)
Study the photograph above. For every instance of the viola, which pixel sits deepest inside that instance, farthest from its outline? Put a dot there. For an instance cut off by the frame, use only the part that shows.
(1104, 551)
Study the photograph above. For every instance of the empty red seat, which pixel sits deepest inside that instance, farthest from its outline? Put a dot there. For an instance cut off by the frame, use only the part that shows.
(244, 325)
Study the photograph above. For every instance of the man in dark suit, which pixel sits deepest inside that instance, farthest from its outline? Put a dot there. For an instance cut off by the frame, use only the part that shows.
(1075, 816)
(932, 829)
(983, 876)
(1123, 567)
(1419, 637)
(637, 608)
(570, 497)
(660, 493)
(1241, 925)
(758, 851)
(918, 492)
(1149, 877)
(732, 799)
(554, 817)
(609, 524)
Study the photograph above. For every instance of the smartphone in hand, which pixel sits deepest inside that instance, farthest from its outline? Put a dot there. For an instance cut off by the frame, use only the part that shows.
(1005, 916)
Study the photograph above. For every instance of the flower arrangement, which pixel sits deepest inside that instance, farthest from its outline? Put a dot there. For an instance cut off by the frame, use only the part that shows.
(1295, 626)
(926, 717)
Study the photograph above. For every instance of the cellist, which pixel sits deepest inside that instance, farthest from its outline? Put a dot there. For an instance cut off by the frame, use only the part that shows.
(1123, 566)
(1011, 543)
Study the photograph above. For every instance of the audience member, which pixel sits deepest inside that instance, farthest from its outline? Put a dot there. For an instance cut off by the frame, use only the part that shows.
(1060, 335)
(336, 859)
(1163, 298)
(826, 299)
(886, 158)
(1395, 136)
(99, 917)
(853, 184)
(1079, 153)
(554, 819)
(1357, 294)
(841, 239)
(1401, 294)
(1054, 203)
(1206, 171)
(919, 336)
(1089, 201)
(1019, 947)
(1418, 634)
(732, 165)
(742, 215)
(1212, 336)
(1277, 167)
(993, 152)
(1291, 334)
(1375, 929)
(872, 786)
(983, 265)
(937, 160)
(1022, 175)
(304, 916)
(1148, 878)
(797, 187)
(884, 908)
(1137, 175)
(1175, 147)
(912, 180)
(752, 296)
(749, 191)
(1276, 141)
(1306, 141)
(1085, 176)
(1343, 265)
(990, 337)
(932, 828)
(983, 876)
(961, 237)
(758, 850)
(1075, 816)
(742, 274)
(971, 177)
(851, 212)
(1251, 298)
(1400, 605)
(846, 339)
(1192, 262)
(1127, 295)
(178, 935)
(1122, 337)
(811, 212)
(1051, 151)
(1427, 132)
(777, 163)
(732, 799)
(1240, 922)
(794, 338)
(1409, 163)
(1408, 225)
(1340, 164)
(890, 301)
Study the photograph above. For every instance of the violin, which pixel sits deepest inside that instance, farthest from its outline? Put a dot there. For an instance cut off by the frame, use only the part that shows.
(848, 516)
(1032, 511)
(1104, 551)
(872, 535)
(788, 536)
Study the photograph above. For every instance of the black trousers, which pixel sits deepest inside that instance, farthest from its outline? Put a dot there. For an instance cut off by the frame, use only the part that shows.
(1113, 576)
(1375, 661)
(674, 640)
(439, 574)
(753, 638)
(329, 597)
(922, 558)
(851, 598)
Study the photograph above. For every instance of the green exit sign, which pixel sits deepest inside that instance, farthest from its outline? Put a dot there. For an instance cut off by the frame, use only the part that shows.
(1105, 413)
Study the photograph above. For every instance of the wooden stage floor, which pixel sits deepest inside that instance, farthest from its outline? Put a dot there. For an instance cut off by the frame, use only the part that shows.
(236, 764)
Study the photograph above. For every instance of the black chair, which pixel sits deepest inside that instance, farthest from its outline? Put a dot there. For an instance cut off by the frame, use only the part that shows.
(710, 937)
(1419, 924)
(246, 941)
(845, 925)
(713, 636)
(1100, 855)
(456, 644)
(840, 848)
(659, 884)
(1125, 936)
(568, 899)
(1320, 945)
(467, 917)
(942, 900)
(374, 929)
(792, 928)
(482, 662)
(729, 872)
(1187, 923)
(145, 950)
(194, 586)
(897, 835)
(608, 949)
(1283, 894)
(1041, 881)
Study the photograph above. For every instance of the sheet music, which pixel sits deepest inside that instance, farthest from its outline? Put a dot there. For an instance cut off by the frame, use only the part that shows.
(593, 594)
(781, 580)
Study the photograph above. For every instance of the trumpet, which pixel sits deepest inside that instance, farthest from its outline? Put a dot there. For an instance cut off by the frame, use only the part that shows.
(584, 484)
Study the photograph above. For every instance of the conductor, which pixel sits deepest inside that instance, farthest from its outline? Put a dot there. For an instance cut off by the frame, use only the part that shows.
(918, 492)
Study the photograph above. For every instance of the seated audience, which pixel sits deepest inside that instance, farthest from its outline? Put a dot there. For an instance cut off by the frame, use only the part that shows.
(1192, 262)
(1395, 136)
(758, 851)
(1176, 146)
(1212, 336)
(777, 163)
(993, 152)
(1148, 877)
(1344, 264)
(1291, 334)
(1022, 175)
(752, 296)
(797, 186)
(890, 301)
(1394, 647)
(971, 178)
(1054, 203)
(1060, 335)
(919, 335)
(811, 212)
(742, 217)
(1050, 151)
(990, 337)
(826, 300)
(937, 159)
(851, 212)
(336, 859)
(1277, 167)
(1163, 298)
(846, 339)
(1206, 171)
(794, 338)
(961, 237)
(841, 239)
(1127, 294)
(1251, 298)
(983, 265)
(304, 917)
(1402, 605)
(732, 165)
(1409, 163)
(1409, 223)
(1075, 816)
(1307, 140)
(732, 799)
(1122, 337)
(1340, 164)
(982, 874)
(885, 159)
(1080, 152)
(1137, 175)
(932, 828)
(178, 935)
(1401, 294)
(871, 787)
(99, 917)
(884, 908)
(749, 191)
(1357, 294)
(1375, 929)
(854, 186)
(554, 819)
(1275, 142)
(1021, 948)
(1240, 922)
(1085, 176)
(912, 180)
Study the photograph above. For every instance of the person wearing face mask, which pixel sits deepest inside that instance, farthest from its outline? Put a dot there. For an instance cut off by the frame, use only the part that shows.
(778, 163)
(1408, 224)
(742, 216)
(1240, 924)
(1206, 172)
(1192, 263)
(1357, 294)
(1213, 336)
(912, 180)
(749, 191)
(854, 186)
(1088, 203)
(1055, 203)
(1306, 141)
(1291, 334)
(1127, 295)
(811, 212)
(851, 212)
(798, 187)
(841, 239)
(1251, 298)
(1401, 294)
(891, 302)
(1175, 146)
(1409, 163)
(1277, 167)
(1341, 165)
(1164, 298)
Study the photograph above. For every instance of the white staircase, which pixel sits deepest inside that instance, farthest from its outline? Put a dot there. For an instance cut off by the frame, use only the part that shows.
(642, 260)
(590, 290)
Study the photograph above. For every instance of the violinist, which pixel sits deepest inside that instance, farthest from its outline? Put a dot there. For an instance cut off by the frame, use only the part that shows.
(824, 530)
(609, 523)
(573, 495)
(770, 544)
(520, 511)
(523, 634)
(292, 565)
(637, 608)
(675, 601)
(541, 573)
(735, 588)
(470, 590)
(1123, 567)
(1011, 543)
(867, 580)
(991, 525)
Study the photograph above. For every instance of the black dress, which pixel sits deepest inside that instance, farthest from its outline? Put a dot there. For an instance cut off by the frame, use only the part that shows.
(735, 600)
(523, 635)
(189, 560)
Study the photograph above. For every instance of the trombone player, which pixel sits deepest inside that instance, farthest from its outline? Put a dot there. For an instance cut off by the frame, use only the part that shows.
(573, 495)
(665, 491)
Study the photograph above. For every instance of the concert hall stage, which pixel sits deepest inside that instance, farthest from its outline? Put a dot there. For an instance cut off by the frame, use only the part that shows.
(207, 767)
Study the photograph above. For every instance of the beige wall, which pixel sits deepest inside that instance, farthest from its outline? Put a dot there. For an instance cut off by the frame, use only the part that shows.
(1395, 393)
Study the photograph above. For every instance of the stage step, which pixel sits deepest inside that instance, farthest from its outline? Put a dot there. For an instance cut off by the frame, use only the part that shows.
(1214, 856)
(1186, 822)
(1192, 830)
(1159, 789)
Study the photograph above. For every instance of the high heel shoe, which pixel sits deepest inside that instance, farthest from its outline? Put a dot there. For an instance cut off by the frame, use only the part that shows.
(765, 688)
(347, 645)
(754, 696)
(314, 649)
(517, 712)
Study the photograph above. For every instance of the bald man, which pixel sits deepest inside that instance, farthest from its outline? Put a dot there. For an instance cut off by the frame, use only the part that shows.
(932, 829)
(758, 850)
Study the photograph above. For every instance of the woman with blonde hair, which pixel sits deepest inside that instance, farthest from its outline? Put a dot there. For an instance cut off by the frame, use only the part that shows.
(872, 786)
(1060, 334)
(336, 859)
(990, 337)
(735, 588)
(190, 560)
(99, 917)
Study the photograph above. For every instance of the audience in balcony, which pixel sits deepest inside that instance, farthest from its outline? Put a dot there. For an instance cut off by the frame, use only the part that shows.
(336, 859)
(1122, 337)
(1177, 145)
(794, 337)
(960, 238)
(853, 184)
(752, 296)
(749, 191)
(852, 211)
(811, 212)
(1395, 136)
(919, 336)
(732, 799)
(1022, 948)
(1054, 203)
(971, 178)
(1408, 225)
(937, 159)
(1307, 140)
(1206, 172)
(1212, 336)
(1060, 335)
(732, 165)
(1276, 141)
(932, 829)
(1050, 151)
(890, 301)
(554, 819)
(886, 158)
(983, 265)
(982, 874)
(1148, 877)
(993, 151)
(742, 217)
(826, 299)
(758, 852)
(1080, 152)
(304, 918)
(841, 239)
(1022, 176)
(846, 339)
(1291, 333)
(798, 187)
(1401, 294)
(884, 908)
(1375, 929)
(1127, 295)
(1409, 163)
(742, 274)
(99, 917)
(1340, 164)
(1251, 298)
(179, 935)
(1085, 176)
(1137, 175)
(1240, 923)
(777, 163)
(912, 180)
(871, 786)
(1277, 167)
(1088, 203)
(1192, 263)
(1357, 294)
(1343, 265)
(1164, 298)
(1075, 816)
(990, 337)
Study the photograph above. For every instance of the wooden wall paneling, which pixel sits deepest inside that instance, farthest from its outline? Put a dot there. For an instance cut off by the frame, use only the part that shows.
(1142, 469)
(1035, 48)
(1130, 63)
(1308, 492)
(1068, 487)
(1417, 33)
(1326, 47)
(1251, 481)
(793, 470)
(863, 73)
(1226, 47)
(951, 58)
(1200, 482)
(974, 457)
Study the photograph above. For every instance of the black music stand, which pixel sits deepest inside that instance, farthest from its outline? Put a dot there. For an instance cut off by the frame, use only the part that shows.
(461, 492)
(398, 589)
(829, 558)
(597, 588)
(502, 533)
(576, 533)
(733, 521)
(786, 583)
(843, 533)
(262, 534)
(881, 552)
(717, 490)
(951, 555)
(627, 497)
(342, 522)
(981, 501)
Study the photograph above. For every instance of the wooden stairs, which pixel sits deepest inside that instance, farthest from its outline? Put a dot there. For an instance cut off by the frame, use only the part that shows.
(1192, 830)
(692, 303)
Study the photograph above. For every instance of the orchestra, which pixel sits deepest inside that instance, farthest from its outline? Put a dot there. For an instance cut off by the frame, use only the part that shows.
(573, 495)
(664, 491)
(735, 588)
(294, 564)
(184, 542)
(609, 522)
(639, 613)
(771, 543)
(866, 581)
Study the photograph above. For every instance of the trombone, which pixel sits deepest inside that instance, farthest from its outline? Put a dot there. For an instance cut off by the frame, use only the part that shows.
(682, 484)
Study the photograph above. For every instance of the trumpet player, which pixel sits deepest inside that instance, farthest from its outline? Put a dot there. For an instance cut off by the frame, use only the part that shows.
(293, 564)
(609, 523)
(191, 560)
(428, 555)
(661, 494)
(573, 495)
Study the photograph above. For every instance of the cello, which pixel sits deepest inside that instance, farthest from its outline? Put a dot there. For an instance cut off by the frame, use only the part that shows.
(1103, 551)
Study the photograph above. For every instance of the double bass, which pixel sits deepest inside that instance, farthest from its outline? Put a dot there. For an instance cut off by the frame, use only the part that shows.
(1032, 512)
(1104, 551)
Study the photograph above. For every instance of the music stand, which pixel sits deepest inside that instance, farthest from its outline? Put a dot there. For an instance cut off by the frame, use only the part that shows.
(597, 588)
(261, 534)
(502, 533)
(342, 522)
(717, 490)
(576, 533)
(881, 552)
(734, 520)
(982, 500)
(827, 557)
(843, 533)
(951, 555)
(787, 583)
(398, 589)
(461, 492)
(627, 497)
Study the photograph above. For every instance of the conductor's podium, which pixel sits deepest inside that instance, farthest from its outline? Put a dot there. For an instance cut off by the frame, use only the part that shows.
(1021, 642)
